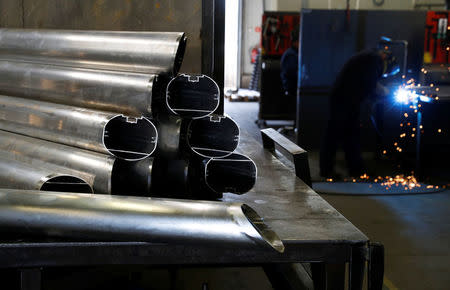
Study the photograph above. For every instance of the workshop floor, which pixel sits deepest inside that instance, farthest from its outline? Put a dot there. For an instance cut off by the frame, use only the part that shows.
(415, 229)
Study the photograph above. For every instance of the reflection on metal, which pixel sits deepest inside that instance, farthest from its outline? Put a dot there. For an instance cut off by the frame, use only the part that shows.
(99, 217)
(146, 52)
(18, 175)
(169, 136)
(104, 173)
(213, 136)
(192, 96)
(122, 92)
(123, 137)
(67, 160)
(235, 173)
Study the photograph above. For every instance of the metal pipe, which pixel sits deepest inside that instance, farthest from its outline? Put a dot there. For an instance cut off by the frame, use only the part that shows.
(203, 178)
(145, 52)
(77, 162)
(213, 136)
(121, 92)
(210, 136)
(192, 96)
(18, 175)
(171, 178)
(99, 217)
(110, 133)
(235, 173)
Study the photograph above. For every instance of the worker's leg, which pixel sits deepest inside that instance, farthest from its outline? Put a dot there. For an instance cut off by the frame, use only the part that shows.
(352, 144)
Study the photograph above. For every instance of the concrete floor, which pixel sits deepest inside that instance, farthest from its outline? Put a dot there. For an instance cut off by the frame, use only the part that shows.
(415, 229)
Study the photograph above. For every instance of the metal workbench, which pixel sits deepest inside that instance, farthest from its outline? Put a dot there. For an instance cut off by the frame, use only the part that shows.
(311, 229)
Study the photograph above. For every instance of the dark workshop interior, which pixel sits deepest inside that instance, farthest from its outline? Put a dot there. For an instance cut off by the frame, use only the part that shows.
(224, 144)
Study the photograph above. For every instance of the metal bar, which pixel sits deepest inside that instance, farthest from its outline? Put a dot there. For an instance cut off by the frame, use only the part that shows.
(192, 96)
(98, 170)
(98, 217)
(121, 92)
(288, 276)
(146, 52)
(375, 266)
(110, 133)
(357, 267)
(30, 279)
(271, 138)
(213, 44)
(18, 175)
(319, 275)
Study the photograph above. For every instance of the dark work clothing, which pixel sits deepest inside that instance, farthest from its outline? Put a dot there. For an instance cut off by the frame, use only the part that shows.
(289, 71)
(356, 81)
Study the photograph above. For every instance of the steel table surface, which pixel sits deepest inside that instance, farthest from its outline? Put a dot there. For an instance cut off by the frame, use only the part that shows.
(312, 230)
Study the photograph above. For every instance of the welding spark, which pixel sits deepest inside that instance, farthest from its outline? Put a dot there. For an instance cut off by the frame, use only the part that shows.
(408, 182)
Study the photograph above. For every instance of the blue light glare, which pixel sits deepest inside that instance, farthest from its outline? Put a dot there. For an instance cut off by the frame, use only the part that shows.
(401, 96)
(405, 96)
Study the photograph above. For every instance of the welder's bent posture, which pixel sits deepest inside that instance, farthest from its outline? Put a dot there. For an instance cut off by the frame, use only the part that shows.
(357, 81)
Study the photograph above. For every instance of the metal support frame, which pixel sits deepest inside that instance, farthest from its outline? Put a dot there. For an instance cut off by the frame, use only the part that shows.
(30, 279)
(213, 44)
(271, 138)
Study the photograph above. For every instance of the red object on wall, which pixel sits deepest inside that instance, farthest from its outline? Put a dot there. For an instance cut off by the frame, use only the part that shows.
(437, 37)
(254, 54)
(276, 32)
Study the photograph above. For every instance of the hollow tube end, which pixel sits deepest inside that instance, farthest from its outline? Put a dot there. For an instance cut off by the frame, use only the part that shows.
(130, 139)
(192, 96)
(267, 234)
(213, 136)
(235, 173)
(65, 183)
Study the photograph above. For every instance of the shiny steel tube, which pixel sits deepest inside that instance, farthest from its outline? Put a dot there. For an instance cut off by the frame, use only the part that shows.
(99, 217)
(69, 160)
(110, 133)
(213, 136)
(203, 178)
(18, 175)
(121, 92)
(210, 136)
(105, 169)
(235, 173)
(192, 96)
(146, 52)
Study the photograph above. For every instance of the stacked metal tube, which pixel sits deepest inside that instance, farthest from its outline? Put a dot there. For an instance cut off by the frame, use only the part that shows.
(107, 112)
(80, 102)
(96, 91)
